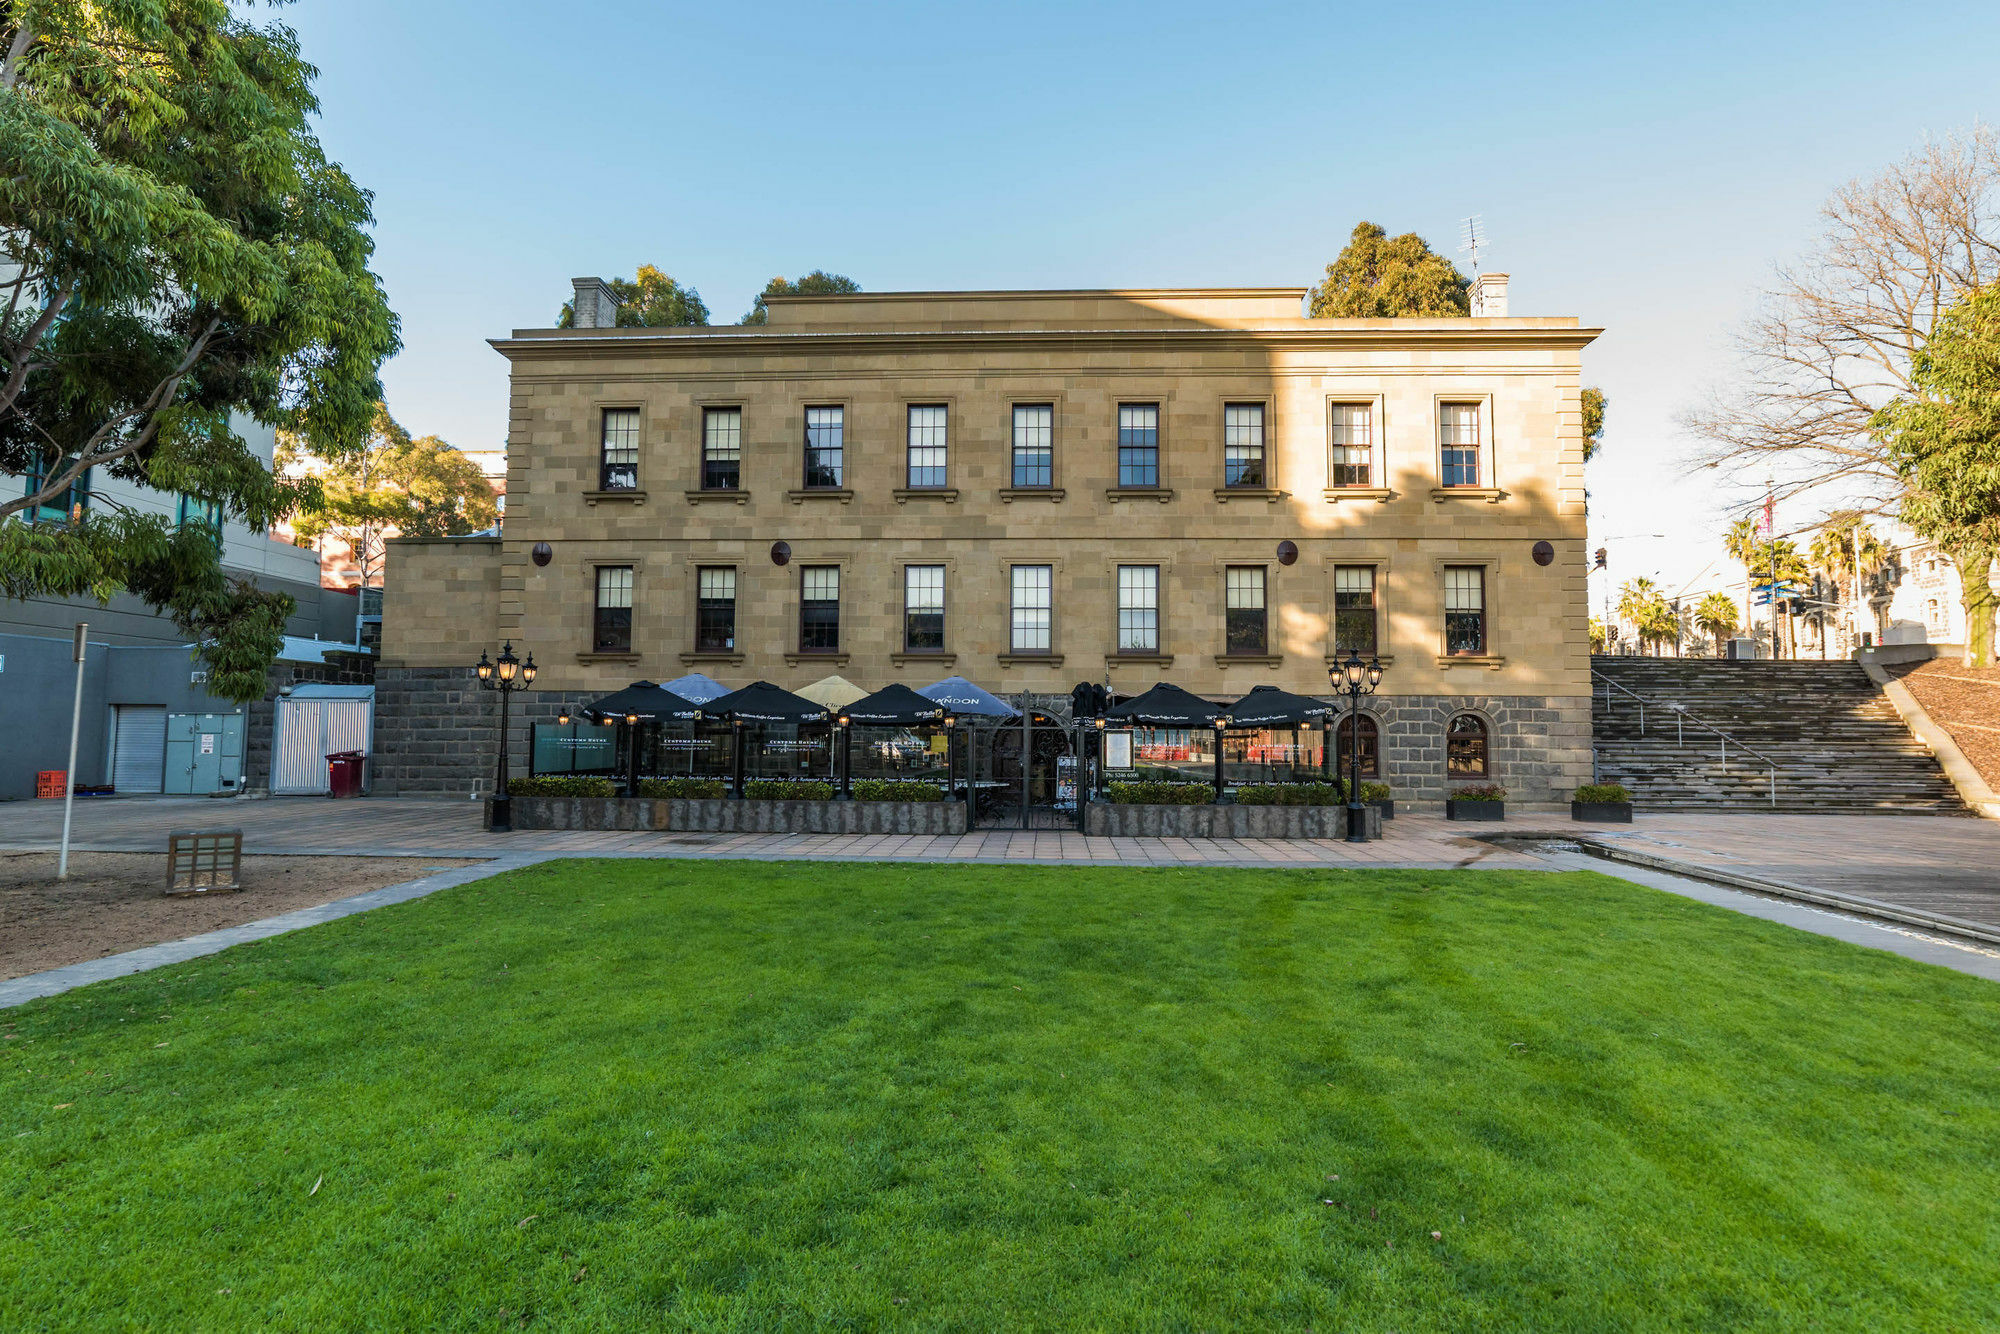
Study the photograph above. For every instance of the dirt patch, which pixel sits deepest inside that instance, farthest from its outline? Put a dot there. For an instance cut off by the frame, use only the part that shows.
(1964, 701)
(112, 901)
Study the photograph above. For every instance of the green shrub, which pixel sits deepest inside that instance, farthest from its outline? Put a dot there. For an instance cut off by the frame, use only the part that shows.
(891, 789)
(562, 785)
(788, 789)
(1289, 794)
(1160, 794)
(1603, 792)
(1376, 792)
(694, 788)
(1480, 792)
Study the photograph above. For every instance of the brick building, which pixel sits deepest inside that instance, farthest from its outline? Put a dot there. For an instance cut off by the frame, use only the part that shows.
(1031, 489)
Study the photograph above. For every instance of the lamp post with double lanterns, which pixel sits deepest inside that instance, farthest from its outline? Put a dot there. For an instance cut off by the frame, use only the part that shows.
(1355, 678)
(506, 675)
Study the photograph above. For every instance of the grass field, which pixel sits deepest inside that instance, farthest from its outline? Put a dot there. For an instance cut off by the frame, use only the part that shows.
(621, 1095)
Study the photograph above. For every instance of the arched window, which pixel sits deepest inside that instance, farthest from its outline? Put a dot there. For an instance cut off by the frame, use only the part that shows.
(1465, 747)
(1371, 748)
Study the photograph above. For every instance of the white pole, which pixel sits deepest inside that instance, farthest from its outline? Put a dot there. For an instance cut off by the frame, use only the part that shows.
(69, 775)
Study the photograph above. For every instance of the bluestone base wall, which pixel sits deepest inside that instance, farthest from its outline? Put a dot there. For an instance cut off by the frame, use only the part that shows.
(1106, 819)
(728, 816)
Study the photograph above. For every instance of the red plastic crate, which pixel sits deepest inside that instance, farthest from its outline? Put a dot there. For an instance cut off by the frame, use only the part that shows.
(51, 782)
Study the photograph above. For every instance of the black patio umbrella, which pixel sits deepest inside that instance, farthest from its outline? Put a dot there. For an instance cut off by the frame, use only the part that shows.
(893, 706)
(648, 702)
(1268, 706)
(762, 702)
(1164, 706)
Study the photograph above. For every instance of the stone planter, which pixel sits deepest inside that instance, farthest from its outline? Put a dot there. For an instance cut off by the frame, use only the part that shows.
(1387, 806)
(1105, 819)
(725, 815)
(1604, 812)
(1474, 810)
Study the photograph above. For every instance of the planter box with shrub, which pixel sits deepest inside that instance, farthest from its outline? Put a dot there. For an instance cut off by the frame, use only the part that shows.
(1380, 797)
(1477, 803)
(797, 808)
(1606, 803)
(1187, 810)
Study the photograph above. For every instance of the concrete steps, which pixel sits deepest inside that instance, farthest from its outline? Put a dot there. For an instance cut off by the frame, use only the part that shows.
(1839, 746)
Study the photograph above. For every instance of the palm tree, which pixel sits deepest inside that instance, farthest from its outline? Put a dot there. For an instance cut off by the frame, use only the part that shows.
(1847, 548)
(1741, 542)
(1715, 616)
(1641, 602)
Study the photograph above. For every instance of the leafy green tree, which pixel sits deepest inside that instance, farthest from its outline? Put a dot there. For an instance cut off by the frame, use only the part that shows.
(176, 254)
(1715, 616)
(817, 283)
(1378, 276)
(1593, 421)
(649, 300)
(394, 486)
(1944, 441)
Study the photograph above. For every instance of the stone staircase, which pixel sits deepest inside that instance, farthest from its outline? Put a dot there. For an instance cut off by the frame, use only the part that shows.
(1838, 744)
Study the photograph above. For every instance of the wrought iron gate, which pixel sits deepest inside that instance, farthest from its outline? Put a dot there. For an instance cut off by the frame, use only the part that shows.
(1038, 794)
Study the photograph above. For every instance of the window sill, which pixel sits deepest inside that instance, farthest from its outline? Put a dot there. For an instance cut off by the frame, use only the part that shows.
(835, 658)
(1492, 662)
(1379, 494)
(631, 494)
(1490, 494)
(905, 494)
(1267, 494)
(802, 495)
(938, 658)
(1337, 659)
(1160, 493)
(698, 656)
(1138, 660)
(1227, 660)
(1010, 494)
(630, 658)
(717, 494)
(1031, 659)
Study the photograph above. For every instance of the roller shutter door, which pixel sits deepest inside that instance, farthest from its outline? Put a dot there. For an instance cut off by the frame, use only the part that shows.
(139, 754)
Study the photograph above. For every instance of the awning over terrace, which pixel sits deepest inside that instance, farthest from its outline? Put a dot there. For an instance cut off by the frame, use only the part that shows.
(1268, 706)
(697, 688)
(835, 692)
(762, 702)
(966, 700)
(893, 706)
(648, 702)
(1164, 706)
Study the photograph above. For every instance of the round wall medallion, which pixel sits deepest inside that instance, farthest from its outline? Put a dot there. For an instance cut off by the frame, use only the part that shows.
(781, 553)
(541, 553)
(1288, 552)
(1544, 554)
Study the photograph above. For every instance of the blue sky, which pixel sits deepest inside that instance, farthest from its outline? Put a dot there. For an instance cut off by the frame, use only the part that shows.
(1640, 166)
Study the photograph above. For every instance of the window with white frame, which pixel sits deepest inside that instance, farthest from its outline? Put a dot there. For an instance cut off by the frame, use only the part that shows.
(618, 469)
(611, 631)
(927, 460)
(825, 446)
(1464, 610)
(1354, 609)
(721, 449)
(1034, 444)
(1139, 444)
(1033, 587)
(1244, 629)
(1138, 609)
(819, 609)
(1243, 444)
(1351, 429)
(923, 609)
(1458, 444)
(715, 609)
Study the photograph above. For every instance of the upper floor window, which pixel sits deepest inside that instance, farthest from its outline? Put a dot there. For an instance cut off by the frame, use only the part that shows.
(715, 609)
(1464, 609)
(1138, 609)
(1352, 431)
(1465, 747)
(927, 447)
(1458, 444)
(1033, 590)
(825, 446)
(1354, 609)
(1243, 444)
(1034, 444)
(1138, 444)
(207, 513)
(64, 505)
(619, 468)
(721, 449)
(923, 609)
(819, 609)
(612, 628)
(1243, 610)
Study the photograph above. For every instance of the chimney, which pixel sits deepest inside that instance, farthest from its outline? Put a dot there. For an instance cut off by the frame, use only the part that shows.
(1489, 295)
(596, 305)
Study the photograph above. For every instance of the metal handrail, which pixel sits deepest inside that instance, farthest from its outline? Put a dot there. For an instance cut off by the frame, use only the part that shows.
(1681, 717)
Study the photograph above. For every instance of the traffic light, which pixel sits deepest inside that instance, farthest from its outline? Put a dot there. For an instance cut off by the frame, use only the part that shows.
(1602, 556)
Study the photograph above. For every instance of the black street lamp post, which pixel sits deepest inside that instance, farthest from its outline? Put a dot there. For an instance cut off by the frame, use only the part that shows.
(507, 675)
(1354, 678)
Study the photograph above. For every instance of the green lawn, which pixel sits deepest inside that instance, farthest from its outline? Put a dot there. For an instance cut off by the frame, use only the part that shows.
(614, 1095)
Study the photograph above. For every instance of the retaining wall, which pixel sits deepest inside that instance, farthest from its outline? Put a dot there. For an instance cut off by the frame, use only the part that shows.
(1106, 819)
(723, 815)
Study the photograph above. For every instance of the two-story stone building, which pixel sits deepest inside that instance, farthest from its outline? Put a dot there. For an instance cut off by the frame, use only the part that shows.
(1032, 489)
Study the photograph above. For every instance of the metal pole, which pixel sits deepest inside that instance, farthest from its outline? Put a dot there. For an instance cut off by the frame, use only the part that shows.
(847, 762)
(1027, 753)
(69, 775)
(1218, 764)
(632, 778)
(503, 806)
(1357, 824)
(736, 759)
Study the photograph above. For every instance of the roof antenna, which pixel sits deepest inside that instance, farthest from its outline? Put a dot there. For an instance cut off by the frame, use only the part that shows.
(1472, 230)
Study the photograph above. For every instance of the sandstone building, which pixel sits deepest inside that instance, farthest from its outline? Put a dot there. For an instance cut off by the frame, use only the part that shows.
(1032, 489)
